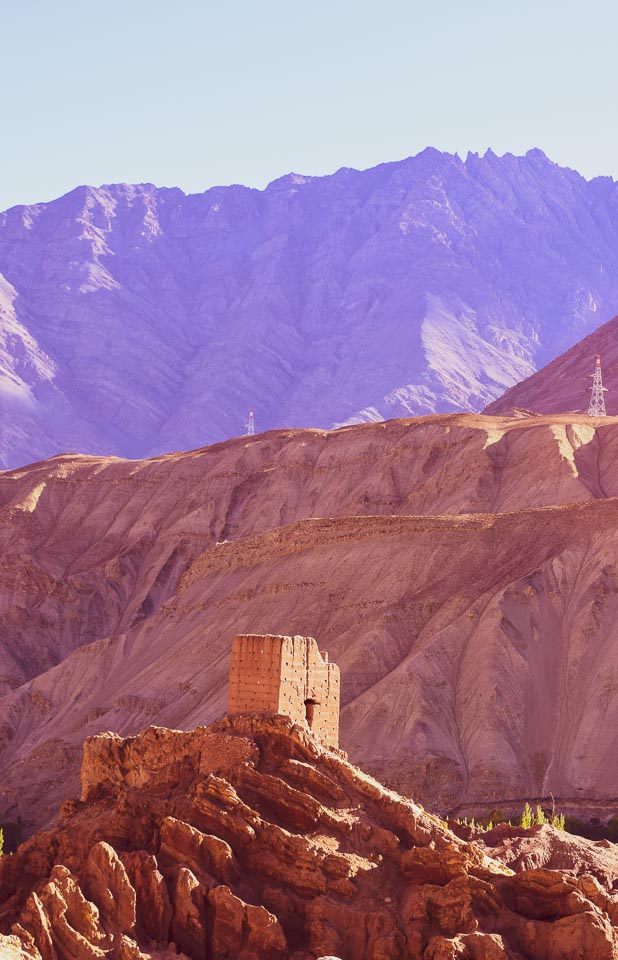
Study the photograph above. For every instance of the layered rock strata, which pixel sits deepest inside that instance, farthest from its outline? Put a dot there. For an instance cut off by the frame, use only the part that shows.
(251, 840)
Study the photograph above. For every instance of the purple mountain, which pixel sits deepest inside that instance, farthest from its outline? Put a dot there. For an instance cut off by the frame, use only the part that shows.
(136, 320)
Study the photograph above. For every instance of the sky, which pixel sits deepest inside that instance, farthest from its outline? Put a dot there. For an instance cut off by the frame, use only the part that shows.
(195, 93)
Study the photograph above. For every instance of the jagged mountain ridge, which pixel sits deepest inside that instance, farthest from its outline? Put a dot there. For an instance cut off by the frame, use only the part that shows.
(137, 320)
(460, 569)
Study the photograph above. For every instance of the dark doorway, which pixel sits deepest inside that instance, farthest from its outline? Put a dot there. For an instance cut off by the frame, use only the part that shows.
(310, 711)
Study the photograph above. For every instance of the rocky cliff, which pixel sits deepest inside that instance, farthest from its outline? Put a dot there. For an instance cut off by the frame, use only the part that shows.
(251, 840)
(460, 570)
(137, 320)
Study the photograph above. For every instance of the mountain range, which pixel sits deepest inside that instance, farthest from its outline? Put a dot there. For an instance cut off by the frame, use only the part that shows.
(137, 320)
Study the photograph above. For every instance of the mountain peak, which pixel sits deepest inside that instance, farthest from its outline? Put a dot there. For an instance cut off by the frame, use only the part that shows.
(535, 153)
(289, 180)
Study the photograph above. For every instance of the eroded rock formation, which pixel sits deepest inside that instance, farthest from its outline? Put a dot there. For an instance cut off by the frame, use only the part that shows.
(252, 840)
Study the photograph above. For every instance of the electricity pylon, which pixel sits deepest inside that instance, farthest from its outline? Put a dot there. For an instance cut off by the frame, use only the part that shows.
(597, 400)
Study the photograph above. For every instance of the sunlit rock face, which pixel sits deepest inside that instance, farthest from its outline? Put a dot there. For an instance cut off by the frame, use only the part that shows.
(137, 320)
(251, 839)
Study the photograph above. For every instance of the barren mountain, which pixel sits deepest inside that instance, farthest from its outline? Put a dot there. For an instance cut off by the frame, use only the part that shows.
(252, 840)
(564, 384)
(460, 570)
(137, 320)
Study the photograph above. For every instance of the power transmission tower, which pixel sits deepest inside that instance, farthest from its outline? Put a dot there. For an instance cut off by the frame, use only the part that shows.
(250, 425)
(597, 400)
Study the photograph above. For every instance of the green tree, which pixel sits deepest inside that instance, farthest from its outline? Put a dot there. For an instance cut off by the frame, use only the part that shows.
(540, 817)
(527, 817)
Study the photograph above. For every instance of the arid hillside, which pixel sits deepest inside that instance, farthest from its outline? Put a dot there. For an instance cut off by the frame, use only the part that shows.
(461, 570)
(251, 840)
(564, 384)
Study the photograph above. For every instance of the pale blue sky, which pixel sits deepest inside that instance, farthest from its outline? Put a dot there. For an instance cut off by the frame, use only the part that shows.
(193, 93)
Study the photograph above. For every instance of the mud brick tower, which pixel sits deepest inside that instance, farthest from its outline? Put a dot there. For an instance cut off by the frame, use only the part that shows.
(286, 675)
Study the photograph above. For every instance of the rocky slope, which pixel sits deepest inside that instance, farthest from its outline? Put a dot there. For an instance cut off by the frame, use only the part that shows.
(251, 840)
(463, 576)
(564, 384)
(136, 320)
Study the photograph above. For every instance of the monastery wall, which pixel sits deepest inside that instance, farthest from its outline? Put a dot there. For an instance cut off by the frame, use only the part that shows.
(255, 674)
(285, 675)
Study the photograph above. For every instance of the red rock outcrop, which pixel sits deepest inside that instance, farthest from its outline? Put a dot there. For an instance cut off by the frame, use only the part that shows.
(542, 846)
(252, 840)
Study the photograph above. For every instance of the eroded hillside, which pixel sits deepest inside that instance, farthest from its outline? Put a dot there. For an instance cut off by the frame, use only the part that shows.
(460, 569)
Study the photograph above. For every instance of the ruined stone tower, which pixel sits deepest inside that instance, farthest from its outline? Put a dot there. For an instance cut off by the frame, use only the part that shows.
(287, 675)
